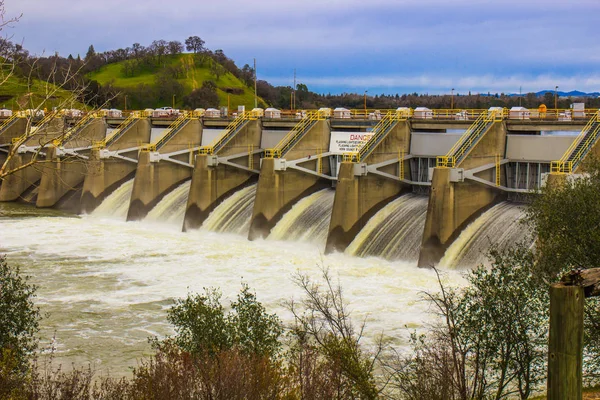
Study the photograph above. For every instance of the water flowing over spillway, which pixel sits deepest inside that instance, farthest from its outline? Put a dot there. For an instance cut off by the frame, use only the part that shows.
(117, 203)
(233, 215)
(171, 208)
(105, 284)
(307, 221)
(500, 226)
(395, 232)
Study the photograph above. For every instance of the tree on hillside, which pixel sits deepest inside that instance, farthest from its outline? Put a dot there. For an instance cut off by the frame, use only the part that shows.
(204, 97)
(175, 47)
(194, 44)
(159, 49)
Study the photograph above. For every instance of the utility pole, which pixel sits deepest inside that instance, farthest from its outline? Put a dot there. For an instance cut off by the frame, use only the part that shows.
(520, 96)
(255, 94)
(294, 91)
(366, 103)
(556, 99)
(452, 99)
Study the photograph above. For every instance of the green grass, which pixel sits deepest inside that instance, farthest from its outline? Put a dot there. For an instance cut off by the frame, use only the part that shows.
(16, 94)
(194, 77)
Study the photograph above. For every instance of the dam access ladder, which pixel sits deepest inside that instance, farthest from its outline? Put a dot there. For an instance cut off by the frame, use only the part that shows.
(120, 131)
(175, 127)
(294, 136)
(469, 139)
(7, 123)
(379, 133)
(580, 147)
(228, 133)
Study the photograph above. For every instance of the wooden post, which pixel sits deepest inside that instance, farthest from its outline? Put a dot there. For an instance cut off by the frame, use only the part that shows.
(565, 352)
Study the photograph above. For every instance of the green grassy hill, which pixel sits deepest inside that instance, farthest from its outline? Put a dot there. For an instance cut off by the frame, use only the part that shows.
(16, 94)
(191, 78)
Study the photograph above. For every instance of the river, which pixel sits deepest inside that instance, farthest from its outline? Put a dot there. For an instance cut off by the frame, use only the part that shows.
(104, 285)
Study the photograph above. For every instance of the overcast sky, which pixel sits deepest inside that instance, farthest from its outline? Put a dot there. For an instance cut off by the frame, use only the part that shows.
(391, 46)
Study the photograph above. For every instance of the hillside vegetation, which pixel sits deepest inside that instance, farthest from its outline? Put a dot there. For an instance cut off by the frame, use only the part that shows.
(183, 73)
(22, 93)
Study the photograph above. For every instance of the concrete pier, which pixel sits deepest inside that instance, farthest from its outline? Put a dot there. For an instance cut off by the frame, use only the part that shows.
(14, 128)
(280, 188)
(26, 162)
(454, 202)
(164, 166)
(218, 175)
(109, 167)
(359, 195)
(66, 167)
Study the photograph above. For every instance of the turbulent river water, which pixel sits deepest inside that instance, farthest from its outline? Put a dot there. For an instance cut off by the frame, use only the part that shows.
(105, 284)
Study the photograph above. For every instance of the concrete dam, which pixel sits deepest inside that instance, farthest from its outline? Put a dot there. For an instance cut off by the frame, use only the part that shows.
(427, 186)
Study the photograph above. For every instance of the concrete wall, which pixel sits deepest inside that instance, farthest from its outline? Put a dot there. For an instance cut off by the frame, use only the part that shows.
(211, 185)
(270, 138)
(357, 198)
(537, 148)
(432, 144)
(104, 176)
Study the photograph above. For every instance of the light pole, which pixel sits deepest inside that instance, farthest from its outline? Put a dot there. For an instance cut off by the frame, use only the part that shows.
(173, 101)
(125, 102)
(452, 99)
(366, 103)
(556, 98)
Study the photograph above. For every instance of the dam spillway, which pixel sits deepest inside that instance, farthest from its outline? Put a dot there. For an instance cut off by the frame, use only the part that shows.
(499, 227)
(233, 214)
(171, 208)
(307, 221)
(117, 203)
(395, 232)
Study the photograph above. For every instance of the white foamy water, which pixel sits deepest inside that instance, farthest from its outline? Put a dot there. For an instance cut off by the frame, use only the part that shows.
(106, 284)
(307, 221)
(500, 226)
(116, 204)
(171, 209)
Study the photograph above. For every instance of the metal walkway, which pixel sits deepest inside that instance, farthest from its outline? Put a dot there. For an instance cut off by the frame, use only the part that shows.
(297, 133)
(379, 133)
(469, 139)
(581, 146)
(228, 133)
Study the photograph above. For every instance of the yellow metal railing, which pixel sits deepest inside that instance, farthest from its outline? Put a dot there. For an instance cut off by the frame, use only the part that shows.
(117, 133)
(295, 134)
(579, 147)
(179, 123)
(75, 129)
(469, 138)
(8, 122)
(401, 164)
(46, 120)
(498, 160)
(378, 133)
(251, 156)
(228, 132)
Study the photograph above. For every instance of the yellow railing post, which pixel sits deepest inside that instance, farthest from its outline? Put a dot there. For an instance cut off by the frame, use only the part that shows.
(251, 156)
(498, 159)
(401, 163)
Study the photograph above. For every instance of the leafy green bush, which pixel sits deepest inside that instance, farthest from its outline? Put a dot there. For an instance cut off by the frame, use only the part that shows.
(19, 324)
(203, 326)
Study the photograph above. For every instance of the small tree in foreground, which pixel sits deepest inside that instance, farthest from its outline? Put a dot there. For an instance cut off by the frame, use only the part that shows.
(327, 357)
(19, 324)
(492, 341)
